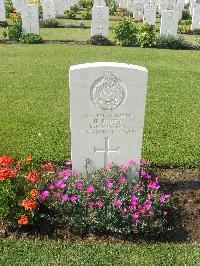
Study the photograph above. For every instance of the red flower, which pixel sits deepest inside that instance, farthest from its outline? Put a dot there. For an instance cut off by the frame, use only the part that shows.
(29, 204)
(48, 167)
(34, 193)
(6, 161)
(24, 219)
(33, 176)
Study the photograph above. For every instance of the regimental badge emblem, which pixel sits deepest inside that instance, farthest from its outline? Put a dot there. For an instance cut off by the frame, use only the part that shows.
(108, 92)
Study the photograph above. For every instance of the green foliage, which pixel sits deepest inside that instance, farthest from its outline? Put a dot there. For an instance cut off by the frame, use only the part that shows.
(9, 8)
(71, 14)
(15, 30)
(75, 8)
(171, 42)
(31, 38)
(86, 4)
(125, 33)
(49, 23)
(186, 14)
(85, 15)
(8, 200)
(146, 35)
(3, 24)
(112, 6)
(100, 40)
(122, 12)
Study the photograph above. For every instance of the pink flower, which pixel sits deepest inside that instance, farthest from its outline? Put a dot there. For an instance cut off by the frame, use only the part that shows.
(153, 186)
(142, 162)
(141, 189)
(90, 189)
(68, 163)
(151, 213)
(73, 198)
(117, 191)
(151, 196)
(58, 183)
(137, 221)
(148, 177)
(91, 204)
(123, 167)
(45, 193)
(118, 203)
(122, 180)
(76, 173)
(163, 198)
(142, 211)
(79, 185)
(63, 186)
(134, 200)
(132, 208)
(100, 204)
(64, 198)
(66, 172)
(135, 215)
(51, 187)
(109, 165)
(165, 213)
(136, 187)
(131, 162)
(58, 194)
(139, 206)
(143, 174)
(124, 210)
(109, 185)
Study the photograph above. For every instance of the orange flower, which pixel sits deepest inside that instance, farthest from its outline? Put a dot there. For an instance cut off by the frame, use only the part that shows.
(34, 193)
(29, 159)
(29, 204)
(48, 167)
(24, 219)
(6, 173)
(33, 176)
(6, 161)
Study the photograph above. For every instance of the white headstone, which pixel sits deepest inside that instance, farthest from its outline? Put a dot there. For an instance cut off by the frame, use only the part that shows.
(67, 4)
(2, 11)
(138, 10)
(99, 3)
(122, 3)
(100, 21)
(19, 5)
(149, 14)
(59, 7)
(30, 19)
(107, 113)
(48, 9)
(196, 18)
(169, 23)
(162, 5)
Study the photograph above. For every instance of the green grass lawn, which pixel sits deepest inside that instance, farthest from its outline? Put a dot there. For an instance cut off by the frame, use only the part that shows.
(23, 252)
(34, 113)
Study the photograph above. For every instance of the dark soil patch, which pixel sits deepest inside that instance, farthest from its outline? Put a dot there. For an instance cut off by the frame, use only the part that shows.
(183, 184)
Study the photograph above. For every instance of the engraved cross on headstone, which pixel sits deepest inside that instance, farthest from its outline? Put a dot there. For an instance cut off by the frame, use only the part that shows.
(106, 150)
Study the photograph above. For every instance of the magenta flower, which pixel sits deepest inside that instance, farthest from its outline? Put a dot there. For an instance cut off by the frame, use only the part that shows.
(151, 213)
(142, 211)
(118, 203)
(163, 198)
(143, 174)
(91, 204)
(151, 196)
(148, 177)
(100, 204)
(63, 186)
(90, 189)
(134, 200)
(135, 215)
(68, 163)
(137, 221)
(139, 206)
(143, 162)
(123, 167)
(51, 187)
(76, 173)
(124, 210)
(79, 185)
(165, 213)
(64, 198)
(132, 162)
(153, 186)
(58, 183)
(117, 191)
(122, 180)
(73, 198)
(109, 165)
(58, 194)
(109, 185)
(45, 193)
(136, 187)
(132, 208)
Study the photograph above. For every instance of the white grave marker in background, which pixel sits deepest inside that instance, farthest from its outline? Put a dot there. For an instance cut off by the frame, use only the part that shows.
(48, 9)
(100, 20)
(107, 108)
(196, 18)
(2, 10)
(149, 14)
(30, 19)
(169, 23)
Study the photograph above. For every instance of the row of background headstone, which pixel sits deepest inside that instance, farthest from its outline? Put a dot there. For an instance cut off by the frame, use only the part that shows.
(142, 10)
